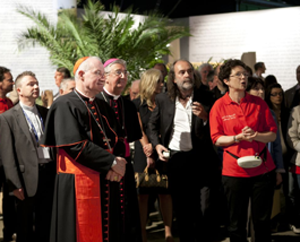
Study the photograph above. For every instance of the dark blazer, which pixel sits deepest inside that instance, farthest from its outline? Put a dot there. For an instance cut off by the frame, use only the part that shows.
(161, 124)
(18, 150)
(289, 96)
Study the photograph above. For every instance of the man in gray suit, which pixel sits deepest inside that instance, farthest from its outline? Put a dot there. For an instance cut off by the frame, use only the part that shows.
(29, 168)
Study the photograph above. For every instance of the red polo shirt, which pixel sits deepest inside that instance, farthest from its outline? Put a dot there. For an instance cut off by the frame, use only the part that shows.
(229, 118)
(5, 104)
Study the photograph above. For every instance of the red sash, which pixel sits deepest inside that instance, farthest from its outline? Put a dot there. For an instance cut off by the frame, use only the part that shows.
(88, 198)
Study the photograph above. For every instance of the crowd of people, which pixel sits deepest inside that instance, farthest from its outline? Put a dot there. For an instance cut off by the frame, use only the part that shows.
(67, 166)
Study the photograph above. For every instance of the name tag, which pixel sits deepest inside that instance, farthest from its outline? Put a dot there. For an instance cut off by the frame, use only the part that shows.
(43, 152)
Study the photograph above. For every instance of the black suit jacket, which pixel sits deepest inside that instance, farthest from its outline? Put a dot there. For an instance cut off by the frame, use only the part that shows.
(18, 150)
(161, 125)
(289, 96)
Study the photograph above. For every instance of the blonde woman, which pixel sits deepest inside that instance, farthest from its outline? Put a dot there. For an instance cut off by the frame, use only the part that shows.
(145, 156)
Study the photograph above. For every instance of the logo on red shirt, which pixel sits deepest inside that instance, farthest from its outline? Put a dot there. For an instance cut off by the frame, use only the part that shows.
(229, 117)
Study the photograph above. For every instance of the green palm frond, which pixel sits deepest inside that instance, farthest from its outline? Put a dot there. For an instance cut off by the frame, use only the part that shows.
(107, 37)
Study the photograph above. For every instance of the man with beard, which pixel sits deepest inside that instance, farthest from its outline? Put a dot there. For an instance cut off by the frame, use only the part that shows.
(116, 75)
(179, 125)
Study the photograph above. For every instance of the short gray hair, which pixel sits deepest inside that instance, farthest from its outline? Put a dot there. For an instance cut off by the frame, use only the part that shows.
(64, 83)
(205, 65)
(119, 61)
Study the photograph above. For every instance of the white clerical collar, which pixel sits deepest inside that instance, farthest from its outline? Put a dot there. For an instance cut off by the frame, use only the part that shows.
(90, 98)
(113, 95)
(27, 108)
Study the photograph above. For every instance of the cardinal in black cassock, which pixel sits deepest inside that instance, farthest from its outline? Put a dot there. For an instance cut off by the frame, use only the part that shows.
(88, 207)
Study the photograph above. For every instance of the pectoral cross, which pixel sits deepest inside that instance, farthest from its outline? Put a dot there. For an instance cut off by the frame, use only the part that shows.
(106, 140)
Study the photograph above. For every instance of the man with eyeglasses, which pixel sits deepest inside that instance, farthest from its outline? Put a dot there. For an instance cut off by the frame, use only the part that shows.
(90, 202)
(116, 76)
(242, 124)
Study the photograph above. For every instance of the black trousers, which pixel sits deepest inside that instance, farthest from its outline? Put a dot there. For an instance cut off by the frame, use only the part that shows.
(34, 213)
(260, 189)
(185, 184)
(8, 208)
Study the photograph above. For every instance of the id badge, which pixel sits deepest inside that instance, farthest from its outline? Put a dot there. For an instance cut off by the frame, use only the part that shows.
(43, 152)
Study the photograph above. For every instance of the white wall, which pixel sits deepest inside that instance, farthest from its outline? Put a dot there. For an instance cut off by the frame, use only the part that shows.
(273, 34)
(33, 59)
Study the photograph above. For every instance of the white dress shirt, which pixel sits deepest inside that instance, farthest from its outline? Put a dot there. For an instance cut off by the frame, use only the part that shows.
(36, 128)
(181, 139)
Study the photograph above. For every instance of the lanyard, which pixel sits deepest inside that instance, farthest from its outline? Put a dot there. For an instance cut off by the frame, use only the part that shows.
(32, 126)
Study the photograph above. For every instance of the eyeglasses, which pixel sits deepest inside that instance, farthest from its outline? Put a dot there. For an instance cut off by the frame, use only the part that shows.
(240, 74)
(280, 94)
(119, 72)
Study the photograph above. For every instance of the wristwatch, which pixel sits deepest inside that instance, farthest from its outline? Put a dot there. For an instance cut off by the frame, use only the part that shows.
(235, 139)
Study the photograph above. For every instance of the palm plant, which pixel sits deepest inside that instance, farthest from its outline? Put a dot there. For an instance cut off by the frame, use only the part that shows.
(93, 34)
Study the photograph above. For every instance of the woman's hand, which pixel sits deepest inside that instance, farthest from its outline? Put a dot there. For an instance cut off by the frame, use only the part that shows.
(278, 178)
(247, 134)
(150, 162)
(148, 149)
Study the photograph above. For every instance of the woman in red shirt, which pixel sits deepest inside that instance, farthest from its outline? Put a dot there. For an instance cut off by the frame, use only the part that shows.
(243, 124)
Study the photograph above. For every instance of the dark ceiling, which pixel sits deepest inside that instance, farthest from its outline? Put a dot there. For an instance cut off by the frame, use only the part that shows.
(185, 8)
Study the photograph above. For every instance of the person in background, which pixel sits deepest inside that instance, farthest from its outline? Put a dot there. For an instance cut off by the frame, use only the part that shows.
(133, 90)
(249, 71)
(260, 69)
(204, 70)
(243, 124)
(162, 67)
(145, 156)
(6, 86)
(46, 99)
(60, 74)
(269, 80)
(292, 95)
(275, 100)
(293, 138)
(8, 202)
(256, 87)
(66, 86)
(220, 89)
